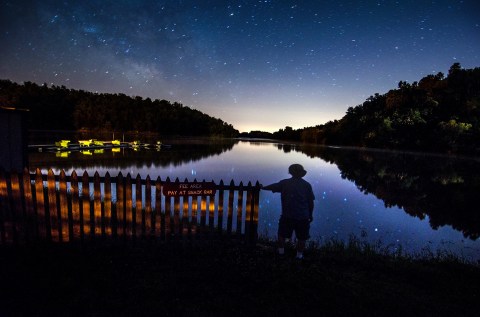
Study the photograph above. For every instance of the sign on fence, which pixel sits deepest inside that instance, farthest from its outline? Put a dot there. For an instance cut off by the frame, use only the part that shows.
(189, 189)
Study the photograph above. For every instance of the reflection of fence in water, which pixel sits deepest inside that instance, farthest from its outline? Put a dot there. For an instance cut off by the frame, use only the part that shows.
(64, 208)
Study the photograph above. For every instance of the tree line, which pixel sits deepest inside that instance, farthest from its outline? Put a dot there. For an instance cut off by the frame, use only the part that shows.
(437, 113)
(60, 108)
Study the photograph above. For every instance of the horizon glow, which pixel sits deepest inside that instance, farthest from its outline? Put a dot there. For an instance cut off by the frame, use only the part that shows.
(258, 65)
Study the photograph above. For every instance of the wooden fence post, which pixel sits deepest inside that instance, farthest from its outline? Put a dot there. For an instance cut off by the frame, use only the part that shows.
(30, 228)
(76, 231)
(51, 214)
(158, 218)
(119, 225)
(167, 213)
(231, 193)
(211, 215)
(86, 220)
(107, 213)
(184, 222)
(40, 206)
(149, 217)
(17, 218)
(4, 206)
(139, 213)
(97, 206)
(239, 209)
(220, 209)
(193, 224)
(64, 219)
(176, 216)
(128, 205)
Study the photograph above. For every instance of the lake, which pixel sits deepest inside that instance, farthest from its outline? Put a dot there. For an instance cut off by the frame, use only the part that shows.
(416, 203)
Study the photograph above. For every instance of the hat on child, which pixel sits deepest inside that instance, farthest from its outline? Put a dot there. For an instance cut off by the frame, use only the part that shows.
(296, 170)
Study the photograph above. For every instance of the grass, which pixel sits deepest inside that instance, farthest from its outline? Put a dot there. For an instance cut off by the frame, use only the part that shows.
(231, 279)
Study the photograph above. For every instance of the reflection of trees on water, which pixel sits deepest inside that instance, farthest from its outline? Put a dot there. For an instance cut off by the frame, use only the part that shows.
(444, 189)
(179, 153)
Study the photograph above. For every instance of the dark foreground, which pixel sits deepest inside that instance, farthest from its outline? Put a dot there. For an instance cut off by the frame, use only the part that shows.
(228, 279)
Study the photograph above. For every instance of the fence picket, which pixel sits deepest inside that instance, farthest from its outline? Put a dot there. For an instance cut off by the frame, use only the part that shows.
(97, 206)
(40, 199)
(107, 214)
(148, 219)
(4, 206)
(119, 224)
(63, 227)
(231, 193)
(220, 208)
(17, 216)
(30, 229)
(139, 213)
(53, 208)
(85, 220)
(157, 219)
(239, 209)
(128, 205)
(75, 227)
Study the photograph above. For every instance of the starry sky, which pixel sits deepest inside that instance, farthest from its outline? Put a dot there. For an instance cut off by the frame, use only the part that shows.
(258, 65)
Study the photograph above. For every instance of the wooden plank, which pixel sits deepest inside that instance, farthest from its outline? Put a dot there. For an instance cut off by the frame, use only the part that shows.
(231, 194)
(167, 213)
(76, 232)
(248, 211)
(193, 226)
(176, 217)
(30, 228)
(128, 205)
(52, 218)
(203, 213)
(40, 204)
(211, 215)
(239, 209)
(97, 207)
(148, 219)
(17, 218)
(64, 234)
(4, 207)
(85, 215)
(107, 214)
(120, 210)
(139, 213)
(220, 208)
(256, 198)
(185, 223)
(158, 222)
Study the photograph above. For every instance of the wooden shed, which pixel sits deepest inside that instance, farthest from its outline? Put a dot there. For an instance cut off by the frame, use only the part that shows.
(13, 139)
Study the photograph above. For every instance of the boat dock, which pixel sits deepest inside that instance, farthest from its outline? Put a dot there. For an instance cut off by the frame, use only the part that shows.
(65, 145)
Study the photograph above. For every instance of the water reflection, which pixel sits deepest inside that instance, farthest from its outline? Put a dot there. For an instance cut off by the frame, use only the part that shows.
(125, 158)
(393, 197)
(443, 188)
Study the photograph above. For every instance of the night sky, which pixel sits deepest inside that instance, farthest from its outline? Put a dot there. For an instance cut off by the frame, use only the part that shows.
(258, 65)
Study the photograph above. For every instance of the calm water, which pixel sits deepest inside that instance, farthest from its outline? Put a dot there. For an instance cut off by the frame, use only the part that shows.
(420, 203)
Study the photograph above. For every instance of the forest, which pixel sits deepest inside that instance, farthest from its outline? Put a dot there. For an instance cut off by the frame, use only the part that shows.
(59, 108)
(437, 113)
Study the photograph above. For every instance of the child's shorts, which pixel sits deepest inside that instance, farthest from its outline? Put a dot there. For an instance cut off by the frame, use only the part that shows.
(286, 227)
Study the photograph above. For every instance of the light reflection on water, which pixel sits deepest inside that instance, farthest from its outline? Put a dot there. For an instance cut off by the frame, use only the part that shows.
(341, 208)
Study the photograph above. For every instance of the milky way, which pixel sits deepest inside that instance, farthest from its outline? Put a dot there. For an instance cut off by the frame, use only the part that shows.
(259, 65)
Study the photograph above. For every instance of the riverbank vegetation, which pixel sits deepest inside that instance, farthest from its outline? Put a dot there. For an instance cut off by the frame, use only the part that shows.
(231, 279)
(60, 108)
(438, 113)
